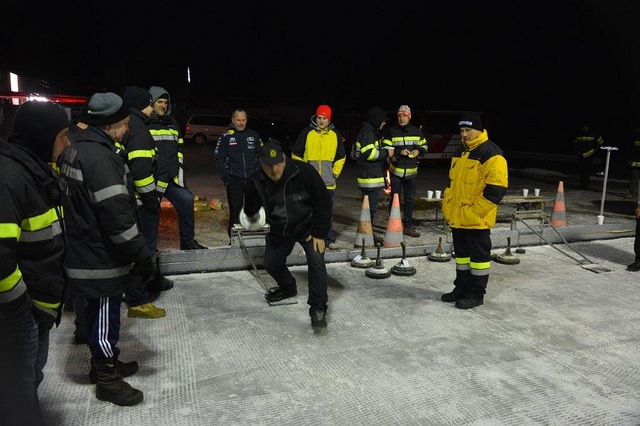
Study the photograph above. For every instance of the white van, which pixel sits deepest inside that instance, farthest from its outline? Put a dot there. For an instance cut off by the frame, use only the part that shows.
(201, 128)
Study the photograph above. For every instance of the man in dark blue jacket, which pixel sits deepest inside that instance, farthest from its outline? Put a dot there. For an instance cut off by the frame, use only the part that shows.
(293, 199)
(236, 160)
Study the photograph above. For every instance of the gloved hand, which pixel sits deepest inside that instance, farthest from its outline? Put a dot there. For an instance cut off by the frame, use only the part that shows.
(255, 222)
(143, 269)
(42, 317)
(151, 202)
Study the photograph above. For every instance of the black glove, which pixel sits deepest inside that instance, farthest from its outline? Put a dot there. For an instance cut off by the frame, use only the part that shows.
(42, 317)
(151, 202)
(143, 269)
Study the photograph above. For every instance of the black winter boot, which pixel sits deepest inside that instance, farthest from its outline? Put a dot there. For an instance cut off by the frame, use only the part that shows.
(110, 386)
(125, 369)
(457, 293)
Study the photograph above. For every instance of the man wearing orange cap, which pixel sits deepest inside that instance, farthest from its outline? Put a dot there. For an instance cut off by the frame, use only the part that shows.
(320, 144)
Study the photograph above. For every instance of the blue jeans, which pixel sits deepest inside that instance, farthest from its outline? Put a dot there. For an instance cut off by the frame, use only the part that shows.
(182, 200)
(24, 347)
(149, 222)
(275, 263)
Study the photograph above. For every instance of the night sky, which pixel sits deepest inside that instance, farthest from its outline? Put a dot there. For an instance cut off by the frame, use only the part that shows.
(536, 67)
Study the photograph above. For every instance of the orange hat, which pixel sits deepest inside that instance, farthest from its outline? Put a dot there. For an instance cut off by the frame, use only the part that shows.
(324, 111)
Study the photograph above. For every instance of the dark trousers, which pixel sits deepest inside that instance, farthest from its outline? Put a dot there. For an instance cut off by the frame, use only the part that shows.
(24, 348)
(331, 237)
(182, 200)
(585, 166)
(473, 260)
(404, 188)
(149, 222)
(374, 196)
(636, 242)
(235, 198)
(103, 318)
(275, 263)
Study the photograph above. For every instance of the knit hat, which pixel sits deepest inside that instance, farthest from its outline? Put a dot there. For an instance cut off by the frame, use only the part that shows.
(271, 153)
(325, 111)
(136, 97)
(376, 116)
(471, 120)
(36, 126)
(405, 110)
(158, 92)
(105, 108)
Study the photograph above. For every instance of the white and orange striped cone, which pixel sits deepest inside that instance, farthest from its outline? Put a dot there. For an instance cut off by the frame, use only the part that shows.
(558, 214)
(365, 228)
(393, 237)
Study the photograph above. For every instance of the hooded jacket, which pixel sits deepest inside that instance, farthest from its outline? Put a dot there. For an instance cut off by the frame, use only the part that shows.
(371, 156)
(101, 216)
(323, 149)
(478, 180)
(141, 159)
(169, 144)
(296, 207)
(31, 239)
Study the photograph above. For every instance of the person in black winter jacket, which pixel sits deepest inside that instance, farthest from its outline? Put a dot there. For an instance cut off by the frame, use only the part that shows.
(171, 181)
(32, 247)
(107, 254)
(293, 199)
(372, 157)
(236, 160)
(141, 154)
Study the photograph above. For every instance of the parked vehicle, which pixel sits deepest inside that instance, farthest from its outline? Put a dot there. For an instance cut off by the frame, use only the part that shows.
(203, 128)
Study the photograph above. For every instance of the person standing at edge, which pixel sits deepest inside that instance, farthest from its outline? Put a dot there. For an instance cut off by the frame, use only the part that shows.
(408, 143)
(106, 254)
(140, 157)
(478, 179)
(32, 280)
(372, 159)
(236, 160)
(170, 166)
(587, 145)
(292, 198)
(320, 144)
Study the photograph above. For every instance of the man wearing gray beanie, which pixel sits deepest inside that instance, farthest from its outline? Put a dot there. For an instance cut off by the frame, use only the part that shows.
(31, 248)
(107, 254)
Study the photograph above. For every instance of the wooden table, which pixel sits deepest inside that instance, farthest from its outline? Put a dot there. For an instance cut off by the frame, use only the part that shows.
(530, 202)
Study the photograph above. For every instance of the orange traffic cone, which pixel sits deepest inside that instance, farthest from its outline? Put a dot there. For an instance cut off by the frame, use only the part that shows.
(393, 236)
(365, 228)
(558, 218)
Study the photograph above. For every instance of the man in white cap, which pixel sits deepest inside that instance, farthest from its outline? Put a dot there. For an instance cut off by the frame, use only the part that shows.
(408, 143)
